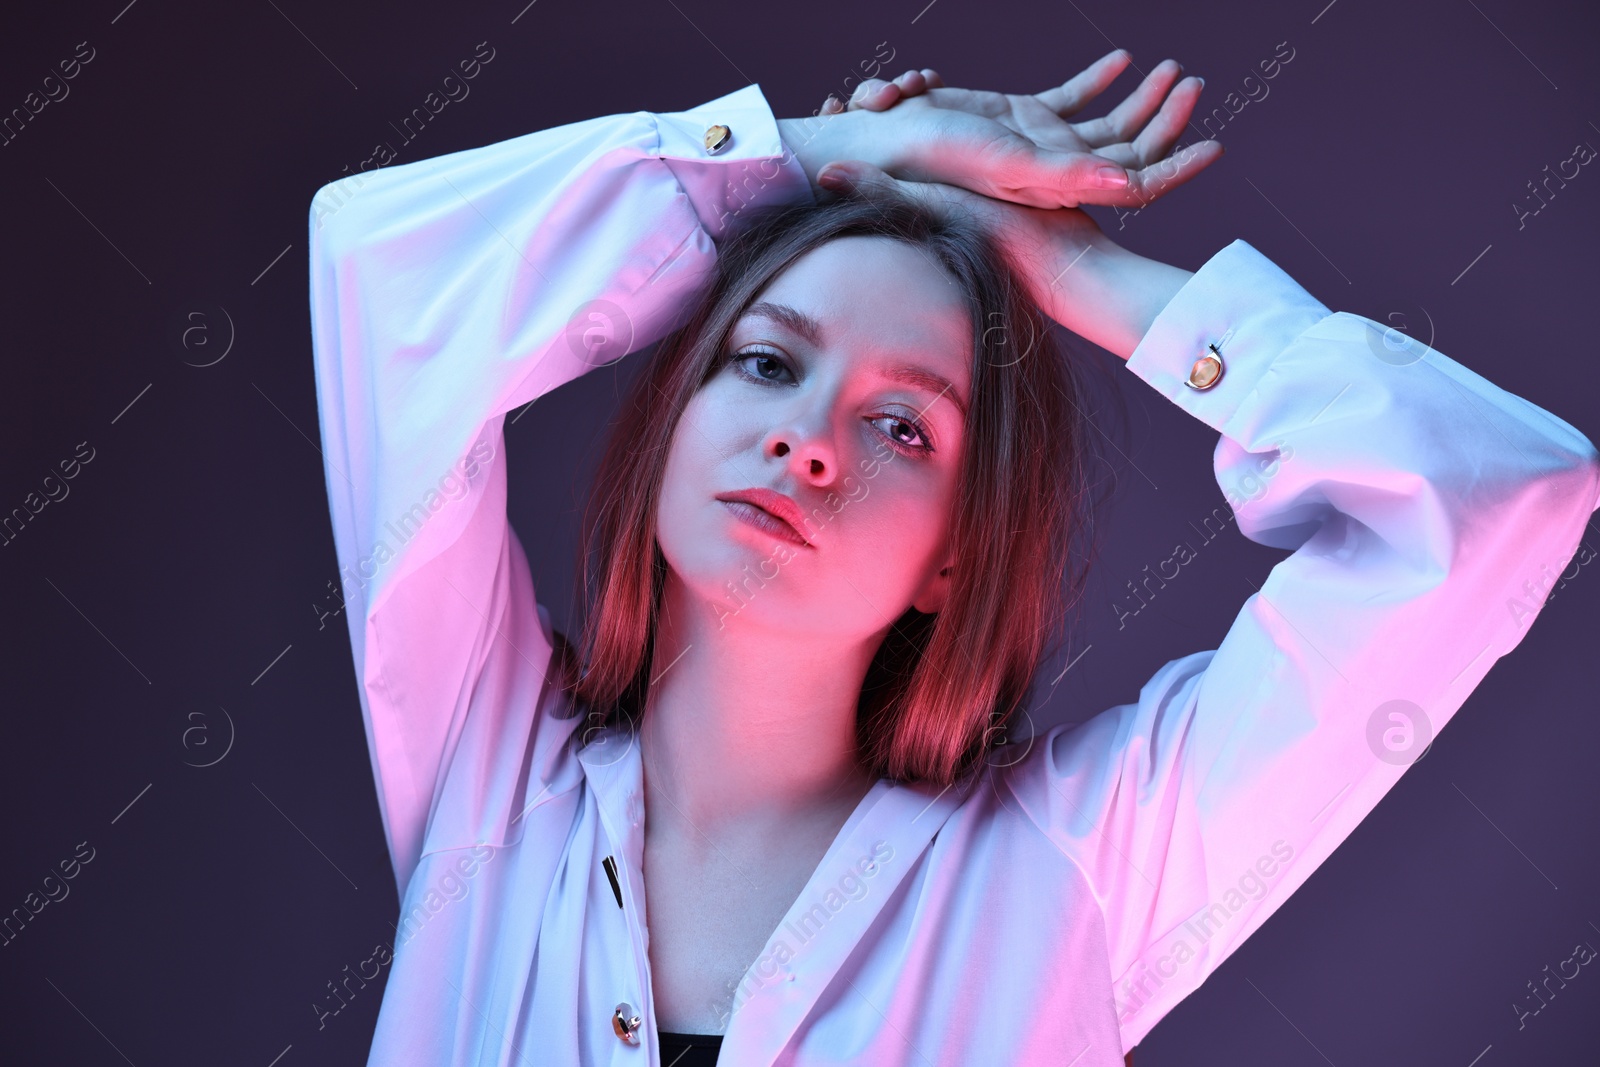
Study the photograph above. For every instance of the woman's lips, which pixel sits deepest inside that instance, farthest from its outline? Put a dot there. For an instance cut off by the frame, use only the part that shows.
(765, 521)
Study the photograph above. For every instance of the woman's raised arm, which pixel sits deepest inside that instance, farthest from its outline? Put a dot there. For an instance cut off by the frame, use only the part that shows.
(444, 294)
(1420, 502)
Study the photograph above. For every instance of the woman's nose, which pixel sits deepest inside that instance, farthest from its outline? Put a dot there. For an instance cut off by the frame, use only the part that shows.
(812, 466)
(808, 451)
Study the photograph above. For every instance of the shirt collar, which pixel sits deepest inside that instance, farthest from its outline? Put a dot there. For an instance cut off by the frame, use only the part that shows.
(876, 848)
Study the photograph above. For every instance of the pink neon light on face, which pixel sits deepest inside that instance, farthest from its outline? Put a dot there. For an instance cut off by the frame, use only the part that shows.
(858, 423)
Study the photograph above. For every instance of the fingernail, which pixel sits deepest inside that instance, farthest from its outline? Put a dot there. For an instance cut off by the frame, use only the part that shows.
(832, 177)
(1111, 178)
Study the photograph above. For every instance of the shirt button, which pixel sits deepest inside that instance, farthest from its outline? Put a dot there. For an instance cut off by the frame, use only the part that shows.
(626, 1024)
(716, 137)
(1207, 370)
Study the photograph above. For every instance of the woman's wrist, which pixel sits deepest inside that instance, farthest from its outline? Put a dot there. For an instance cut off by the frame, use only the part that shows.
(820, 139)
(1117, 294)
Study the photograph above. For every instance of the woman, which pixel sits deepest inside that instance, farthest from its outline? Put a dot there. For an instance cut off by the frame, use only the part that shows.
(826, 558)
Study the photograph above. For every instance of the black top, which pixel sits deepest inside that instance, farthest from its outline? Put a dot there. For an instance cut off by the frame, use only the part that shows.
(689, 1050)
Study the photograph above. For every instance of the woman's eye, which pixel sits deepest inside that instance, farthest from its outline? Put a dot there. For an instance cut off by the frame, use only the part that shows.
(904, 433)
(763, 365)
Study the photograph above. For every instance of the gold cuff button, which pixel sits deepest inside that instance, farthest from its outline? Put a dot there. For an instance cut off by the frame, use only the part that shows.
(717, 137)
(626, 1024)
(1207, 370)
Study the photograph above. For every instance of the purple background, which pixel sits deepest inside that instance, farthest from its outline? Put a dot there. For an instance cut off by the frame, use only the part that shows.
(193, 548)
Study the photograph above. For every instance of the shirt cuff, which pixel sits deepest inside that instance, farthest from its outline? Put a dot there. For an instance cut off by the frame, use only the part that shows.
(1244, 304)
(753, 169)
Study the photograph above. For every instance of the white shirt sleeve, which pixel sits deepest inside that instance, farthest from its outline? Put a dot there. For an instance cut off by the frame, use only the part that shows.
(445, 293)
(1418, 499)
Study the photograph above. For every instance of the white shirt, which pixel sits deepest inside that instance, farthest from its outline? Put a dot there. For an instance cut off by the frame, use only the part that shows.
(1059, 904)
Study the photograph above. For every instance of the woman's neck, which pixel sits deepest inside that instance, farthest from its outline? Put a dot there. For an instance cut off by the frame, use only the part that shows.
(748, 730)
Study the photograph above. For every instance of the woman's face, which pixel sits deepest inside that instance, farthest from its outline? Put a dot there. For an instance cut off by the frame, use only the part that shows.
(846, 394)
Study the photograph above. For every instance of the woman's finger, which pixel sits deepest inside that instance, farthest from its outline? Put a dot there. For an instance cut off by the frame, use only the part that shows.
(1130, 116)
(1157, 180)
(1155, 141)
(855, 177)
(874, 94)
(912, 83)
(1070, 97)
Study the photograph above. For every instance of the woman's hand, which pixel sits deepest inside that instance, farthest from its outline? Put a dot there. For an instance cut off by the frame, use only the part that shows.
(1138, 134)
(1074, 272)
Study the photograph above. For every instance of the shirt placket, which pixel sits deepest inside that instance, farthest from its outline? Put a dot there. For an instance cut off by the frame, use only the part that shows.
(618, 888)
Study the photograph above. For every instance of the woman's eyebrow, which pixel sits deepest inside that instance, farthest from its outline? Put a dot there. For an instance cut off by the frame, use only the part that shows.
(906, 374)
(810, 329)
(791, 318)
